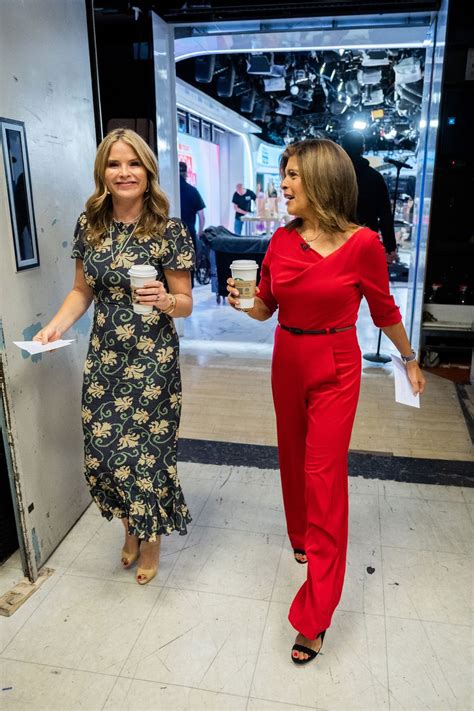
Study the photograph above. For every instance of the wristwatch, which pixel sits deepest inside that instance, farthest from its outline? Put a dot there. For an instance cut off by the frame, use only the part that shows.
(409, 358)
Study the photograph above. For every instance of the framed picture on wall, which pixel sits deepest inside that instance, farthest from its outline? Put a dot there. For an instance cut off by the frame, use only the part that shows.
(17, 173)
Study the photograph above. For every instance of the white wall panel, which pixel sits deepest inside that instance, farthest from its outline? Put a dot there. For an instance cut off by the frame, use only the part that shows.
(45, 82)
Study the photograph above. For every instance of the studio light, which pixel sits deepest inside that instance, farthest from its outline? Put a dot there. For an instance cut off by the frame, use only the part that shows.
(259, 111)
(369, 75)
(300, 76)
(407, 71)
(247, 102)
(375, 58)
(359, 124)
(260, 64)
(284, 108)
(204, 68)
(275, 84)
(225, 83)
(294, 90)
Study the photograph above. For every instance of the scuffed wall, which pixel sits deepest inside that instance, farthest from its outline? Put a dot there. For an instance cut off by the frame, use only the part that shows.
(45, 81)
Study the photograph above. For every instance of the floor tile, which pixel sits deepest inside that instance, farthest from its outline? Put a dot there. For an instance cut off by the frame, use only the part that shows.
(468, 494)
(359, 485)
(196, 493)
(84, 624)
(428, 585)
(426, 525)
(254, 507)
(260, 705)
(350, 673)
(14, 561)
(193, 470)
(9, 626)
(199, 639)
(429, 665)
(363, 584)
(135, 695)
(46, 688)
(247, 562)
(430, 492)
(364, 519)
(75, 541)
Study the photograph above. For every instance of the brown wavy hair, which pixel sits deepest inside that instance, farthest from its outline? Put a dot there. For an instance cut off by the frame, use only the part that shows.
(155, 213)
(329, 181)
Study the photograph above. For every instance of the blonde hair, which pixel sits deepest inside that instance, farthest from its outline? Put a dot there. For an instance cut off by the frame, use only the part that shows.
(99, 206)
(329, 181)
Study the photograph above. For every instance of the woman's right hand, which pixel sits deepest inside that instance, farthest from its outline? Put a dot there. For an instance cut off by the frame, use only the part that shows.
(233, 297)
(48, 334)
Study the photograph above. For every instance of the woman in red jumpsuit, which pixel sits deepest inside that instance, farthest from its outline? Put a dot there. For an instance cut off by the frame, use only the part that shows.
(315, 272)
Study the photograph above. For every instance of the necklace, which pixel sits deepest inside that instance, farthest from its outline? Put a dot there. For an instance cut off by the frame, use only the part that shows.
(125, 224)
(312, 240)
(115, 255)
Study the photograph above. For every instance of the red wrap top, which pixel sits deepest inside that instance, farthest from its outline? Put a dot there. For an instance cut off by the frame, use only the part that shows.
(313, 292)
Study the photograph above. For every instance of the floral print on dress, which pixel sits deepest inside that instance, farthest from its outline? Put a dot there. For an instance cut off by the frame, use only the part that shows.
(131, 397)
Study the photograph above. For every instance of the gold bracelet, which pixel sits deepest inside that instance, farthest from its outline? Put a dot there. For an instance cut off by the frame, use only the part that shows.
(172, 307)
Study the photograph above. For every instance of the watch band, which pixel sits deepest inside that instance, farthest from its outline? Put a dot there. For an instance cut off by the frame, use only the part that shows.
(410, 358)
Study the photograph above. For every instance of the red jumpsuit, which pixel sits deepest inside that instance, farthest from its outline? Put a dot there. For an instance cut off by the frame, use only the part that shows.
(315, 383)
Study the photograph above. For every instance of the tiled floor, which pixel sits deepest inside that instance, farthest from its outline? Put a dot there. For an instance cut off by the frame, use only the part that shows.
(211, 631)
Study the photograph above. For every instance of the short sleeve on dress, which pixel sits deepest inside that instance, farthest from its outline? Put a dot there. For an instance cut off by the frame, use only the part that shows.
(178, 249)
(78, 242)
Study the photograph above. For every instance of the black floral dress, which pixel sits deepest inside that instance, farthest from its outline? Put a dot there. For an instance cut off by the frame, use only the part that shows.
(131, 398)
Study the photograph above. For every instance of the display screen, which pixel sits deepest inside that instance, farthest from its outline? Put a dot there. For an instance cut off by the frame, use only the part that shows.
(202, 159)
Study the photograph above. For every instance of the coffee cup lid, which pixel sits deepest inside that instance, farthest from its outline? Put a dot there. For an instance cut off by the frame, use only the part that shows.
(244, 264)
(142, 270)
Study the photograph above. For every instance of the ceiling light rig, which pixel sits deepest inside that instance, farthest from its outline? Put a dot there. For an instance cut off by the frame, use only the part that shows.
(300, 94)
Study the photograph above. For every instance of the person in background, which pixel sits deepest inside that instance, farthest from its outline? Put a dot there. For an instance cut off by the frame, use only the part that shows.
(192, 205)
(131, 396)
(315, 272)
(373, 202)
(242, 204)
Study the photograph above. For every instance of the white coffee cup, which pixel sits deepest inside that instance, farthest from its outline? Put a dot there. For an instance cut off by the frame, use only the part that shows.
(244, 273)
(141, 274)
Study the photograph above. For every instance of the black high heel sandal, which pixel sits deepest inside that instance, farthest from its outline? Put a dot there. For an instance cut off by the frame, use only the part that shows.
(306, 650)
(299, 551)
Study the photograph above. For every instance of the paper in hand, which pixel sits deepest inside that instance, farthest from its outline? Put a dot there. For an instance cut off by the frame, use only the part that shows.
(34, 347)
(403, 389)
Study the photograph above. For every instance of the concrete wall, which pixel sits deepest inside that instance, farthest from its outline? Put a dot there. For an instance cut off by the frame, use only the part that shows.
(45, 82)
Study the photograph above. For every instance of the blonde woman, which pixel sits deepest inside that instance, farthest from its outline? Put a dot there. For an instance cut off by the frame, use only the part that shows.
(315, 272)
(131, 397)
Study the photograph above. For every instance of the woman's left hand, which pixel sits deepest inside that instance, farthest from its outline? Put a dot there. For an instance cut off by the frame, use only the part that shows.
(416, 377)
(154, 294)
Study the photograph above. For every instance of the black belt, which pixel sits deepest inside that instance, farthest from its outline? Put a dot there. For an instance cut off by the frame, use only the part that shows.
(318, 332)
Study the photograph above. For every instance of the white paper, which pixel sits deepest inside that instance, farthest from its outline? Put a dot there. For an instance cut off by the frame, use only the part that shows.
(403, 389)
(34, 347)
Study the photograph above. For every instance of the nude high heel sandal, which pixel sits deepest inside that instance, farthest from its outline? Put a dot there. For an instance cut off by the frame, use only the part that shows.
(144, 575)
